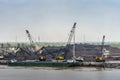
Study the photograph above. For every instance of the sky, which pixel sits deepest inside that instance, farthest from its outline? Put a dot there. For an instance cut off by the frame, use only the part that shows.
(52, 20)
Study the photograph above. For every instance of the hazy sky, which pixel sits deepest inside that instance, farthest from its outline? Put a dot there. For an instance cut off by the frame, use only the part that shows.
(52, 20)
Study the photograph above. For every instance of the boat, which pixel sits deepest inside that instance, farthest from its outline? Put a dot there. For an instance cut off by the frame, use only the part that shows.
(43, 64)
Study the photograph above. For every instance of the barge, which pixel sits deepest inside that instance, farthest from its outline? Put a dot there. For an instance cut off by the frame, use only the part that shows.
(44, 64)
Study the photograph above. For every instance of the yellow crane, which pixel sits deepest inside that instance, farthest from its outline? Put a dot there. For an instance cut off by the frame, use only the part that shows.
(100, 57)
(66, 49)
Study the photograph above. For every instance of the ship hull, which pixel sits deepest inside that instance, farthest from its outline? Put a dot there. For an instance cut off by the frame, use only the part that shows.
(44, 64)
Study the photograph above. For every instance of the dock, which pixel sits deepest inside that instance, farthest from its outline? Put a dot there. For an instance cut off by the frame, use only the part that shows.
(107, 64)
(3, 62)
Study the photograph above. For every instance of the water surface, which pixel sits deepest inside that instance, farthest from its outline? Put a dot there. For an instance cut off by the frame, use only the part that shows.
(40, 73)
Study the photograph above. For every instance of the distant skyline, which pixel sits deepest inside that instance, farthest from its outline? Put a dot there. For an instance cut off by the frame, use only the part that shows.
(52, 20)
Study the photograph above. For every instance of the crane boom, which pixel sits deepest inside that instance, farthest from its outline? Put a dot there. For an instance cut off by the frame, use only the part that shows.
(103, 41)
(71, 34)
(29, 36)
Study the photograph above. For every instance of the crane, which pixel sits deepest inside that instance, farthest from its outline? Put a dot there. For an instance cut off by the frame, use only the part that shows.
(100, 57)
(37, 46)
(72, 36)
(67, 48)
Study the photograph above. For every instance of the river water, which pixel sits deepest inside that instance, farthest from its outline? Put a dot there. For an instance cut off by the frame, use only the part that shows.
(40, 73)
